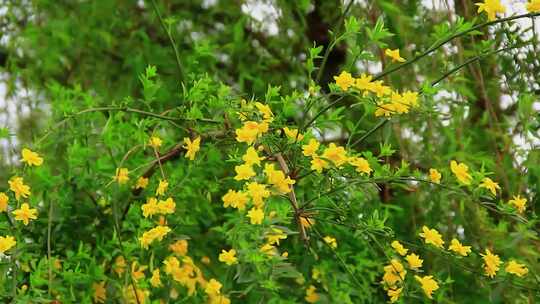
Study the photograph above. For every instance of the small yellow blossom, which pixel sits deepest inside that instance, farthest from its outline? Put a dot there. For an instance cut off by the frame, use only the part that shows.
(399, 248)
(162, 187)
(213, 287)
(155, 142)
(151, 207)
(16, 184)
(293, 134)
(429, 285)
(361, 164)
(415, 262)
(25, 214)
(307, 222)
(244, 172)
(311, 148)
(179, 247)
(461, 171)
(256, 216)
(516, 268)
(393, 273)
(275, 236)
(330, 241)
(435, 176)
(519, 203)
(119, 265)
(490, 185)
(394, 54)
(6, 242)
(491, 7)
(142, 183)
(344, 80)
(335, 154)
(100, 293)
(192, 147)
(249, 132)
(4, 199)
(137, 272)
(311, 294)
(318, 164)
(458, 248)
(379, 89)
(533, 6)
(394, 294)
(491, 263)
(122, 175)
(268, 249)
(235, 199)
(228, 257)
(156, 233)
(277, 179)
(258, 193)
(432, 236)
(155, 280)
(252, 157)
(265, 110)
(31, 158)
(363, 82)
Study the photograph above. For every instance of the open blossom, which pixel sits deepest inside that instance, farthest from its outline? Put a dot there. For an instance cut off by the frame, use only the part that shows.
(4, 199)
(244, 172)
(179, 247)
(275, 236)
(492, 8)
(25, 214)
(16, 184)
(435, 176)
(156, 233)
(311, 148)
(6, 243)
(533, 6)
(432, 236)
(516, 268)
(155, 142)
(31, 158)
(491, 263)
(458, 248)
(250, 131)
(311, 294)
(335, 154)
(399, 248)
(330, 241)
(155, 280)
(393, 273)
(519, 203)
(192, 147)
(258, 193)
(344, 80)
(213, 287)
(256, 216)
(293, 134)
(394, 54)
(162, 187)
(122, 175)
(277, 179)
(361, 164)
(415, 262)
(394, 294)
(235, 199)
(266, 112)
(428, 284)
(461, 171)
(490, 185)
(142, 183)
(318, 164)
(228, 257)
(252, 157)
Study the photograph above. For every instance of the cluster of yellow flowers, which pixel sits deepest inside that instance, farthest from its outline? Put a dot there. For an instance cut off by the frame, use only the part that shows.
(494, 7)
(335, 154)
(390, 102)
(21, 191)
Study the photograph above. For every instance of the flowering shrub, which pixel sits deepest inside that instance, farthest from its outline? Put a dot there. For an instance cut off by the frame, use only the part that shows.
(194, 189)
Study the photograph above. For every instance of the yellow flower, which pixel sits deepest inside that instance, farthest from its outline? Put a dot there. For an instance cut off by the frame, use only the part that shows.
(25, 214)
(394, 294)
(137, 272)
(121, 175)
(150, 208)
(277, 179)
(461, 171)
(235, 199)
(330, 241)
(249, 132)
(435, 176)
(490, 185)
(134, 295)
(432, 236)
(162, 187)
(394, 273)
(344, 80)
(256, 216)
(167, 206)
(429, 285)
(16, 184)
(399, 248)
(4, 199)
(518, 202)
(252, 157)
(307, 222)
(318, 164)
(156, 233)
(213, 287)
(379, 89)
(458, 248)
(155, 280)
(415, 262)
(243, 172)
(268, 249)
(293, 134)
(179, 247)
(228, 257)
(361, 164)
(516, 268)
(265, 110)
(142, 183)
(335, 154)
(275, 236)
(363, 82)
(100, 293)
(533, 6)
(258, 193)
(155, 142)
(410, 98)
(6, 242)
(192, 147)
(311, 148)
(31, 158)
(491, 7)
(394, 54)
(311, 294)
(119, 265)
(491, 263)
